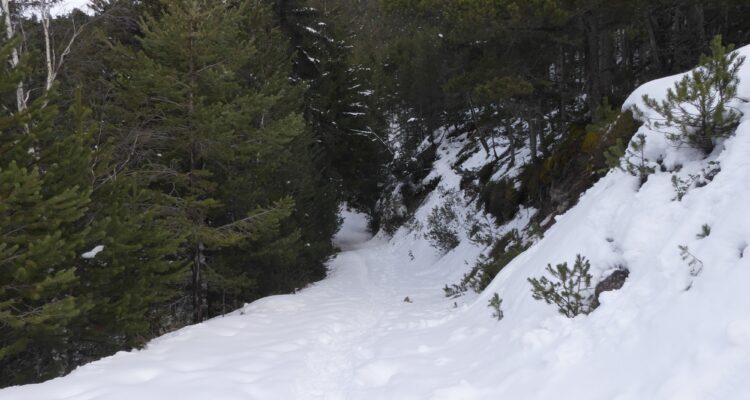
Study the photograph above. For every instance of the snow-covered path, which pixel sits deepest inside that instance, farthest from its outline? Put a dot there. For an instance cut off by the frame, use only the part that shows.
(318, 344)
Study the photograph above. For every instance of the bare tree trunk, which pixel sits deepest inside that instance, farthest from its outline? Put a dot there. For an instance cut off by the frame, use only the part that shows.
(593, 73)
(53, 63)
(49, 54)
(532, 137)
(478, 129)
(541, 128)
(21, 97)
(699, 24)
(649, 19)
(200, 287)
(606, 57)
(561, 79)
(511, 142)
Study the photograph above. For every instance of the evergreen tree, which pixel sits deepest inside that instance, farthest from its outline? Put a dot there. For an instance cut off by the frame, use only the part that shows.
(215, 127)
(569, 288)
(340, 103)
(45, 187)
(699, 105)
(131, 282)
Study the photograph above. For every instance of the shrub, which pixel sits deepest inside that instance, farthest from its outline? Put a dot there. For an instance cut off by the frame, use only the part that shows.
(488, 266)
(391, 211)
(441, 224)
(698, 105)
(705, 231)
(569, 290)
(683, 186)
(455, 290)
(496, 305)
(695, 264)
(631, 159)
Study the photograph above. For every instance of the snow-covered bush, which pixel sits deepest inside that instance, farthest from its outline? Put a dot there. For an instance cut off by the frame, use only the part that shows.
(683, 186)
(569, 290)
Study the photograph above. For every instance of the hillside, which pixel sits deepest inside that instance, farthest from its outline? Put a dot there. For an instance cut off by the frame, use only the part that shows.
(380, 326)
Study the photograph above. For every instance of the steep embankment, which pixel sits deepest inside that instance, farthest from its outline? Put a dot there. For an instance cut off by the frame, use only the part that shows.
(674, 331)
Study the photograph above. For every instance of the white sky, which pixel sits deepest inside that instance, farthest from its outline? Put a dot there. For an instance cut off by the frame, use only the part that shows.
(66, 6)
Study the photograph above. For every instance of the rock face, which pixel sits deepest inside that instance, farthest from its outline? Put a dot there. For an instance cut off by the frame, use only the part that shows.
(614, 281)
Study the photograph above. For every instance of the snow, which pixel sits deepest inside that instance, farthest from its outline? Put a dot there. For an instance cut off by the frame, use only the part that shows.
(352, 336)
(93, 252)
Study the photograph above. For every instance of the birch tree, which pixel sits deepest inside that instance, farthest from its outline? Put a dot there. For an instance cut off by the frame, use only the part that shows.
(54, 61)
(15, 59)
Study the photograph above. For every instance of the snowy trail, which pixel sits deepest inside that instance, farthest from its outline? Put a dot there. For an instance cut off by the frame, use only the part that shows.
(318, 344)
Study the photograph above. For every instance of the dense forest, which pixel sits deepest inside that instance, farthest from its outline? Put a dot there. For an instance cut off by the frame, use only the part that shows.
(164, 162)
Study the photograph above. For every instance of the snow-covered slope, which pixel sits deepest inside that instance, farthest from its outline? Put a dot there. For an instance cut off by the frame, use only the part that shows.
(353, 336)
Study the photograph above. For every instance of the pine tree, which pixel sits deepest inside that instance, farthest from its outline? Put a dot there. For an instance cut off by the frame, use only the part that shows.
(215, 128)
(292, 254)
(631, 159)
(44, 196)
(130, 283)
(699, 105)
(569, 288)
(340, 104)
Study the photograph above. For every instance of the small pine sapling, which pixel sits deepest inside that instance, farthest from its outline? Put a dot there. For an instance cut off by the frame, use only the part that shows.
(640, 167)
(489, 265)
(495, 304)
(620, 156)
(454, 291)
(569, 290)
(698, 107)
(705, 232)
(614, 154)
(695, 264)
(682, 186)
(480, 231)
(441, 224)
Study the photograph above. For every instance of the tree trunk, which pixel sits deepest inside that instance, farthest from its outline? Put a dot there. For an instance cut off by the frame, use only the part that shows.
(697, 16)
(606, 63)
(649, 20)
(478, 129)
(541, 129)
(200, 286)
(561, 79)
(49, 54)
(532, 138)
(21, 98)
(593, 83)
(511, 142)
